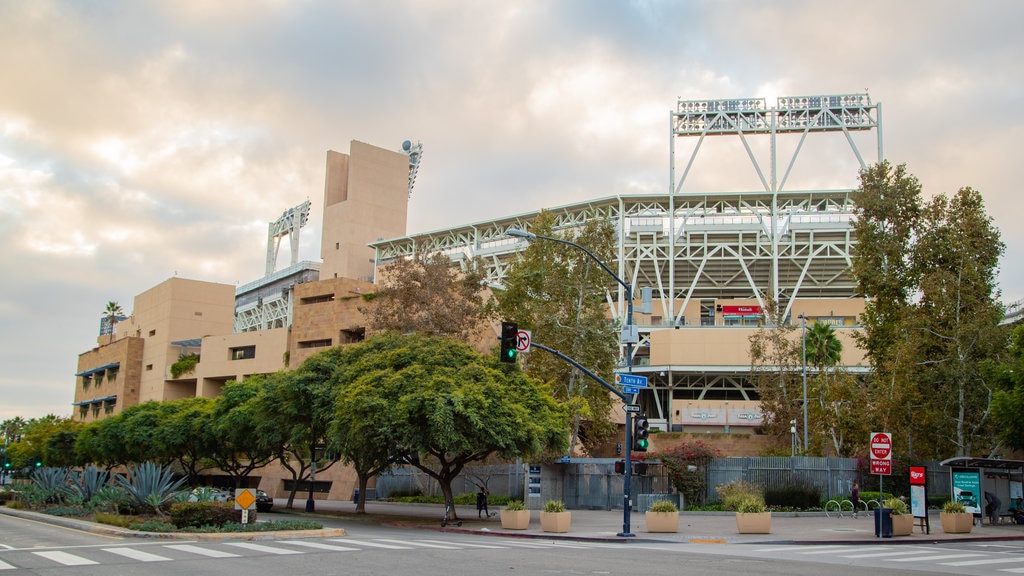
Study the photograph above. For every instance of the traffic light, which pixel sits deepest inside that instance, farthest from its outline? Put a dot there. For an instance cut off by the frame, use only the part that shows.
(509, 336)
(641, 431)
(620, 466)
(38, 462)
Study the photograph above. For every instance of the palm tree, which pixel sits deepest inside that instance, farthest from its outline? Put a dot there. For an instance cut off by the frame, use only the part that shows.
(112, 313)
(823, 347)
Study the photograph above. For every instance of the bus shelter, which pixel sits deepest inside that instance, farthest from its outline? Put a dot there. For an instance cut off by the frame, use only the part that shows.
(971, 478)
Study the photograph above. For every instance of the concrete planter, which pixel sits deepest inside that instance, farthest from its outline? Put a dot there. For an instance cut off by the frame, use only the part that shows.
(902, 524)
(754, 522)
(515, 519)
(956, 523)
(555, 521)
(662, 521)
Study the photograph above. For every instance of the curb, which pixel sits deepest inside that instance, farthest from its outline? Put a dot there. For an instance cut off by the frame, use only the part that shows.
(105, 530)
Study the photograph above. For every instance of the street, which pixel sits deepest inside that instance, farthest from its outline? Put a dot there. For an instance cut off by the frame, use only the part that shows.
(27, 546)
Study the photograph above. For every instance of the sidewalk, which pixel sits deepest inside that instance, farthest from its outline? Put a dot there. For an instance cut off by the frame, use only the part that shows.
(694, 527)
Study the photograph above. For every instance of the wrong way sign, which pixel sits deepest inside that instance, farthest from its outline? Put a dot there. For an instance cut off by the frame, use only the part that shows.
(881, 453)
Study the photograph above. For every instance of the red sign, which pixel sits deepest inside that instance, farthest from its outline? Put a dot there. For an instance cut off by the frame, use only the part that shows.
(741, 310)
(881, 445)
(917, 476)
(881, 453)
(881, 467)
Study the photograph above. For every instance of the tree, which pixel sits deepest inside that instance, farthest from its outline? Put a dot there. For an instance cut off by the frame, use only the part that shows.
(927, 271)
(112, 313)
(185, 433)
(297, 413)
(565, 298)
(1008, 401)
(427, 294)
(775, 369)
(837, 414)
(440, 400)
(237, 448)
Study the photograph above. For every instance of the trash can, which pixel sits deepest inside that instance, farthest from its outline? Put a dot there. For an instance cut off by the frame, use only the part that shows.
(355, 500)
(883, 522)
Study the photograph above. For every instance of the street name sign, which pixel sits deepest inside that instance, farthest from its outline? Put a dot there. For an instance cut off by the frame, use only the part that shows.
(631, 380)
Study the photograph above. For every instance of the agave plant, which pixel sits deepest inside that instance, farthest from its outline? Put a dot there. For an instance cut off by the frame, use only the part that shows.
(87, 483)
(50, 484)
(150, 484)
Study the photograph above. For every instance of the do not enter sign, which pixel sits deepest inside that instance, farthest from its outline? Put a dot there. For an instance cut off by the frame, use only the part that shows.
(881, 453)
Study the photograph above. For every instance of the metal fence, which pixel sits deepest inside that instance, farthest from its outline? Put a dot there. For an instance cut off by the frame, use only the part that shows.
(593, 483)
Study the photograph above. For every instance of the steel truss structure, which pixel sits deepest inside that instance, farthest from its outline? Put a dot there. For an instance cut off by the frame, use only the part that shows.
(690, 246)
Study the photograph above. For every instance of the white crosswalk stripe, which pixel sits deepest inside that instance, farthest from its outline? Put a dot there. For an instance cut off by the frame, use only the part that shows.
(1012, 570)
(136, 554)
(65, 558)
(6, 566)
(984, 562)
(319, 545)
(208, 552)
(371, 544)
(263, 548)
(419, 544)
(468, 545)
(934, 557)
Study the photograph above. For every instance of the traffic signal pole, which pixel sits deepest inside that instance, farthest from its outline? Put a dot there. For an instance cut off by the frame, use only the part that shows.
(515, 232)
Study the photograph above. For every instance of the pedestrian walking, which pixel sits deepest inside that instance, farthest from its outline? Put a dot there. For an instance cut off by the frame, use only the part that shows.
(481, 503)
(855, 498)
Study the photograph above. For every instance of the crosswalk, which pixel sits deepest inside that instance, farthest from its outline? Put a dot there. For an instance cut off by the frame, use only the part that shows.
(168, 552)
(901, 556)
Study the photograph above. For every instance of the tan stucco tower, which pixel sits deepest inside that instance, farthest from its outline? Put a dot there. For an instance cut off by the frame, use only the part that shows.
(366, 196)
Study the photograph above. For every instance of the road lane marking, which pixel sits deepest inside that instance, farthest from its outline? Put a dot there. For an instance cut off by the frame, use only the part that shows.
(136, 554)
(983, 562)
(934, 557)
(6, 566)
(467, 544)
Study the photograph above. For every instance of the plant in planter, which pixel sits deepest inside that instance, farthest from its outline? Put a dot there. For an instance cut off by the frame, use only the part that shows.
(902, 521)
(955, 518)
(554, 517)
(663, 516)
(752, 516)
(515, 516)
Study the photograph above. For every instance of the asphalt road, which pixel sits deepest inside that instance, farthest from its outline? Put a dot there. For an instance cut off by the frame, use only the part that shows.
(28, 546)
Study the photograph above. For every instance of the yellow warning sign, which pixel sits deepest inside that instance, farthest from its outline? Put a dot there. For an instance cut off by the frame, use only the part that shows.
(244, 499)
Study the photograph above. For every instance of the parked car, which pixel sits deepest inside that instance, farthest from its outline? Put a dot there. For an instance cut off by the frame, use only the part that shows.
(263, 501)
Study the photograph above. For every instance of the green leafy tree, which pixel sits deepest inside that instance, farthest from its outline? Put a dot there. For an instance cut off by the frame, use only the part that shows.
(297, 413)
(102, 443)
(236, 445)
(927, 270)
(565, 298)
(1008, 400)
(442, 401)
(185, 434)
(835, 396)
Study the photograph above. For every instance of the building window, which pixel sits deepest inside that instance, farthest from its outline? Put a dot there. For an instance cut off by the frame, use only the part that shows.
(86, 380)
(149, 367)
(317, 299)
(83, 410)
(315, 343)
(108, 408)
(152, 332)
(243, 352)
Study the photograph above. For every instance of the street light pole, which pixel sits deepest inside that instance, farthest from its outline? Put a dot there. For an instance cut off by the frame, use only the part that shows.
(627, 472)
(803, 348)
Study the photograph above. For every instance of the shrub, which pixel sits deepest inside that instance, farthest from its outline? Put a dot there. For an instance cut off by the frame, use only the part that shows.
(152, 527)
(65, 511)
(113, 519)
(736, 492)
(751, 503)
(685, 464)
(951, 507)
(898, 506)
(196, 514)
(799, 493)
(664, 506)
(554, 506)
(515, 505)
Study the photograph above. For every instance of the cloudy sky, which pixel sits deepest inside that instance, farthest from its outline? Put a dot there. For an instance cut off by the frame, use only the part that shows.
(143, 139)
